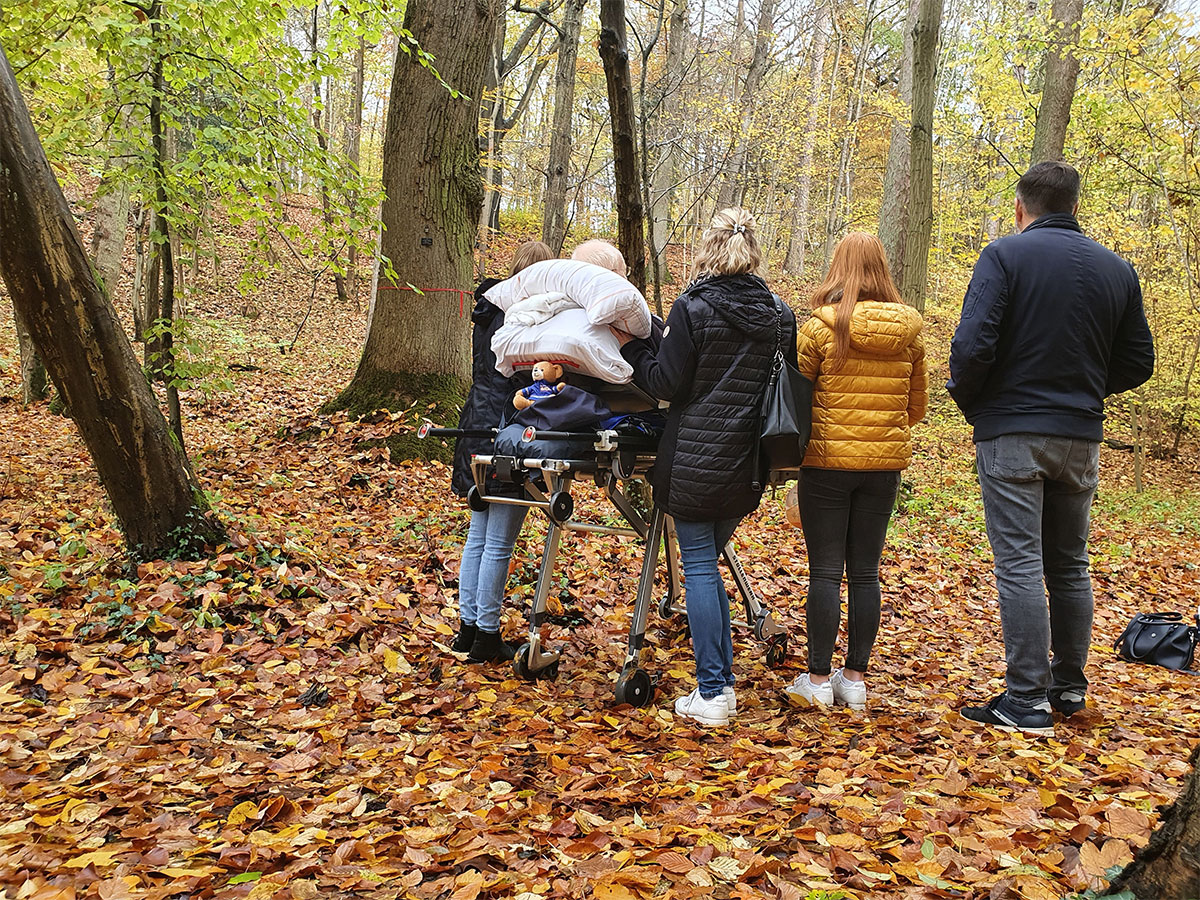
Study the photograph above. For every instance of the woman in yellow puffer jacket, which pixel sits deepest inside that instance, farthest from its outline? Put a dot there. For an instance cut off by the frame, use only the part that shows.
(863, 351)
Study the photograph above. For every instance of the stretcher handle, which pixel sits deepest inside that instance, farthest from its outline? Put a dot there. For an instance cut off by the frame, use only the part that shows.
(628, 441)
(428, 430)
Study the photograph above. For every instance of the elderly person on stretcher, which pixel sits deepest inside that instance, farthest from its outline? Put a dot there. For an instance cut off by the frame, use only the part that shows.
(556, 316)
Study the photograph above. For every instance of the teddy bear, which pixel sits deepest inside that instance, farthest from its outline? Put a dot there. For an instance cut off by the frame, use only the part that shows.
(546, 383)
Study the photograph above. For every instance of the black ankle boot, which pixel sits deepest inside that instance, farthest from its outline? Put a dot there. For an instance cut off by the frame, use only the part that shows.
(490, 647)
(465, 639)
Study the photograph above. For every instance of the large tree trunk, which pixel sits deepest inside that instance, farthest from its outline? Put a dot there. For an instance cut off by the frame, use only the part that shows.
(793, 263)
(558, 166)
(1168, 867)
(1062, 70)
(43, 261)
(614, 54)
(919, 224)
(418, 334)
(33, 373)
(896, 177)
(732, 188)
(662, 181)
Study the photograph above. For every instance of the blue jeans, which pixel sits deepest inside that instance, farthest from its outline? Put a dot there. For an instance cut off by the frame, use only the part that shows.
(1037, 499)
(484, 570)
(700, 546)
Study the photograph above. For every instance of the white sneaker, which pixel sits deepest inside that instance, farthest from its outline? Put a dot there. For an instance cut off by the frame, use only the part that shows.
(802, 692)
(706, 712)
(848, 693)
(730, 700)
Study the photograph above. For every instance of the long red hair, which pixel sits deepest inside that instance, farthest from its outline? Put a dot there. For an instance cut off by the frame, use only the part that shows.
(859, 271)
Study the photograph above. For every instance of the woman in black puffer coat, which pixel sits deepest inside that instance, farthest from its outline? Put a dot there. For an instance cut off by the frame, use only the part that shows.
(713, 366)
(494, 530)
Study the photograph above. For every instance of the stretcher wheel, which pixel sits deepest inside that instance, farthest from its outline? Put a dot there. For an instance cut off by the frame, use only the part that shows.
(521, 668)
(521, 664)
(777, 647)
(635, 688)
(561, 507)
(475, 499)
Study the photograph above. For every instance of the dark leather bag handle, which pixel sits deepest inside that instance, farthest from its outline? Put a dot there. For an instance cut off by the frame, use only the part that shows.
(1145, 620)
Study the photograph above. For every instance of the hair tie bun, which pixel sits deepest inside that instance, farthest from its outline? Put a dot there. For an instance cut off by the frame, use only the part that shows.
(739, 228)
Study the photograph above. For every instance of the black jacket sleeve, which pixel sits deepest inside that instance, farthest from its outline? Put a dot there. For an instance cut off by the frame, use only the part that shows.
(667, 374)
(1132, 360)
(973, 350)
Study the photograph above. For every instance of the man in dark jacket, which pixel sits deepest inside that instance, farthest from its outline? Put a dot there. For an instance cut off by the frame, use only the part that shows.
(1052, 323)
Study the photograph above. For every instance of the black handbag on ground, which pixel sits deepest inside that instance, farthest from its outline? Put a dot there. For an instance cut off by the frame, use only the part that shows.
(786, 414)
(1161, 638)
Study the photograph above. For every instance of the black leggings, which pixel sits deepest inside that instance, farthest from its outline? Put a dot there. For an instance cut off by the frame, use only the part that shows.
(845, 516)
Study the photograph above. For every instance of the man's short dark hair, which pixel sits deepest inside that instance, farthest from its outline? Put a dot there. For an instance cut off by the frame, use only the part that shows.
(1049, 187)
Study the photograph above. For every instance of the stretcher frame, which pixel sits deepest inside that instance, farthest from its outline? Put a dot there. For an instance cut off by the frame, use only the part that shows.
(616, 458)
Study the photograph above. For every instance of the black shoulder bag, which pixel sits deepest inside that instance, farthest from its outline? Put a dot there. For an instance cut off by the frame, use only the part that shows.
(786, 413)
(1161, 639)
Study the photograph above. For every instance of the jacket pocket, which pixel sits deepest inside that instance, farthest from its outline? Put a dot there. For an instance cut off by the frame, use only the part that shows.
(976, 289)
(1013, 457)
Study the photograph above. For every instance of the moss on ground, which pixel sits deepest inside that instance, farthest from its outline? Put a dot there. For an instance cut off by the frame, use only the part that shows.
(436, 398)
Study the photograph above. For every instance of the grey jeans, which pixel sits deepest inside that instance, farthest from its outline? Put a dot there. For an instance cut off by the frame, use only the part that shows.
(1037, 499)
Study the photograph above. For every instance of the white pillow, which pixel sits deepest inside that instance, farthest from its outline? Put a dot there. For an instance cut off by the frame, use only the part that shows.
(567, 339)
(608, 298)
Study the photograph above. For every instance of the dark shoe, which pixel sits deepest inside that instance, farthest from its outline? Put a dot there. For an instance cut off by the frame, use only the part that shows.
(490, 647)
(465, 638)
(1006, 715)
(1068, 702)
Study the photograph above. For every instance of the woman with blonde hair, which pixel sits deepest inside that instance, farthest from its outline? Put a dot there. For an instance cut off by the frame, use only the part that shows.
(712, 365)
(863, 351)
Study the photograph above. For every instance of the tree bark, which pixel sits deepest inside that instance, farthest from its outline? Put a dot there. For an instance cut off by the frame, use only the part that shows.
(339, 281)
(731, 188)
(834, 220)
(33, 373)
(1167, 868)
(558, 165)
(793, 263)
(112, 222)
(919, 221)
(662, 181)
(614, 54)
(44, 264)
(354, 154)
(418, 341)
(1058, 91)
(896, 177)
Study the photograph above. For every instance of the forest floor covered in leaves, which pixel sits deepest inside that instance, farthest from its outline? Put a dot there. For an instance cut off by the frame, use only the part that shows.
(285, 720)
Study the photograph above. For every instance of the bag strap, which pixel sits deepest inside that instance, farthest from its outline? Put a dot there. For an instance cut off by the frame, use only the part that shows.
(1150, 650)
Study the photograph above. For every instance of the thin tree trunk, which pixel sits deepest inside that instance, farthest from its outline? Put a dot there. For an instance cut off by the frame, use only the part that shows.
(166, 343)
(492, 110)
(643, 120)
(48, 274)
(354, 154)
(662, 181)
(793, 263)
(1058, 92)
(33, 373)
(558, 165)
(630, 215)
(896, 178)
(418, 341)
(339, 280)
(112, 222)
(731, 188)
(835, 221)
(919, 222)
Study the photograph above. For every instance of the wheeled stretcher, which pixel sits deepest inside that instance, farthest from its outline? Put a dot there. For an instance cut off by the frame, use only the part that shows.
(610, 459)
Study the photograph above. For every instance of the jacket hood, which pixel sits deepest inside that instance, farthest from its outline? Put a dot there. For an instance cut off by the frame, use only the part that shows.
(877, 328)
(484, 311)
(744, 301)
